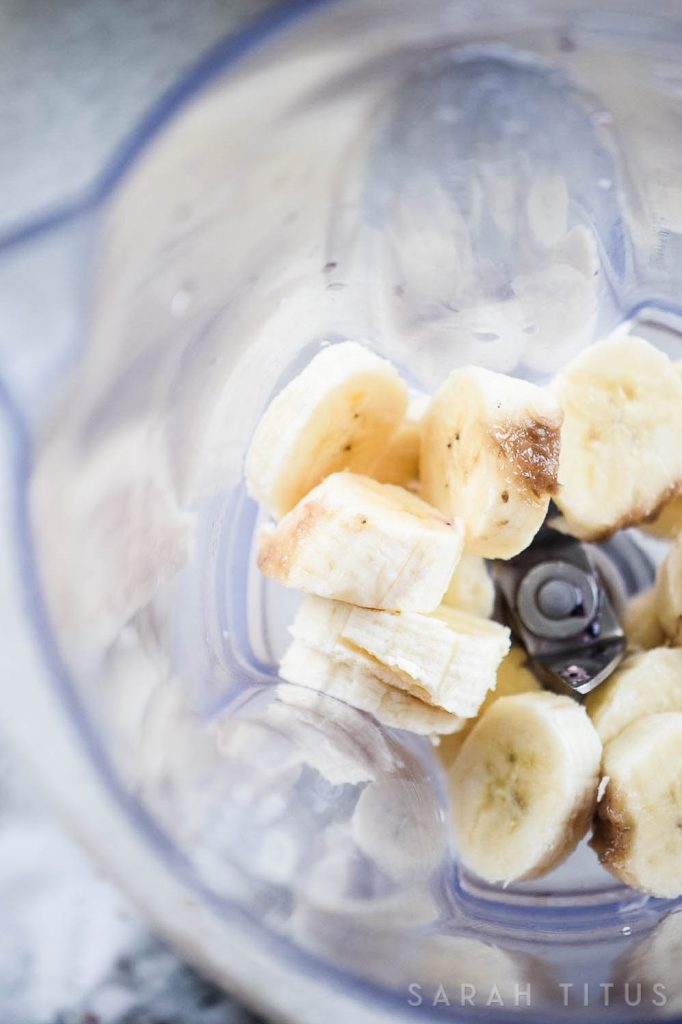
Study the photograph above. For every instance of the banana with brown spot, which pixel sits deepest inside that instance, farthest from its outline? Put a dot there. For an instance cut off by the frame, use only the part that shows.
(355, 540)
(638, 826)
(490, 454)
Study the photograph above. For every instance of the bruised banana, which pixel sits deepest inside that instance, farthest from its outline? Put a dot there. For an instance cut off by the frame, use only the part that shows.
(524, 786)
(637, 832)
(490, 454)
(366, 543)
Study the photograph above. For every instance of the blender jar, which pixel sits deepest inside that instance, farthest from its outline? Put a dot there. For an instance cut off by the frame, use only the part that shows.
(449, 183)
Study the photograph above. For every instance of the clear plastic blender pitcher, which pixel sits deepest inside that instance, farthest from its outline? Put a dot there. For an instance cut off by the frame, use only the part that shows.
(448, 182)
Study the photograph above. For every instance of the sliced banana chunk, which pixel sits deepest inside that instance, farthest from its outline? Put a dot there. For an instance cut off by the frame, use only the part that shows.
(524, 786)
(646, 683)
(669, 593)
(621, 458)
(513, 676)
(637, 832)
(448, 659)
(356, 685)
(366, 543)
(471, 588)
(640, 621)
(490, 454)
(339, 413)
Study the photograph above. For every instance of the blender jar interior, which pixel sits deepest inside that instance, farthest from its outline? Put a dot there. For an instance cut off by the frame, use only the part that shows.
(449, 184)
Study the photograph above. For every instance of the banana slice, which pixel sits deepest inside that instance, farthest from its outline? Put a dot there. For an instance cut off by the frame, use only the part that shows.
(641, 623)
(339, 413)
(669, 593)
(513, 676)
(366, 543)
(646, 683)
(668, 523)
(524, 786)
(621, 458)
(471, 588)
(356, 685)
(637, 832)
(490, 454)
(448, 659)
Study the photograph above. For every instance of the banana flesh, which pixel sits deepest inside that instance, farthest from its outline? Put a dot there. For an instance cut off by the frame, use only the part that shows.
(669, 593)
(366, 543)
(356, 685)
(490, 454)
(621, 457)
(646, 683)
(448, 659)
(471, 588)
(513, 676)
(524, 786)
(339, 413)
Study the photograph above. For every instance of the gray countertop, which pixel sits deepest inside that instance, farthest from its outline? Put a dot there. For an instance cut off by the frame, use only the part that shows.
(74, 78)
(76, 75)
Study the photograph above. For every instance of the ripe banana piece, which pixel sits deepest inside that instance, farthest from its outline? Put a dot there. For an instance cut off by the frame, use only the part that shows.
(356, 685)
(448, 659)
(641, 623)
(637, 832)
(471, 588)
(366, 543)
(621, 457)
(669, 593)
(513, 676)
(646, 683)
(339, 413)
(524, 786)
(490, 454)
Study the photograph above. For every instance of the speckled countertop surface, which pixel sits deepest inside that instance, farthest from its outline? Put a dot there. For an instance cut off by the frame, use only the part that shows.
(74, 78)
(73, 950)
